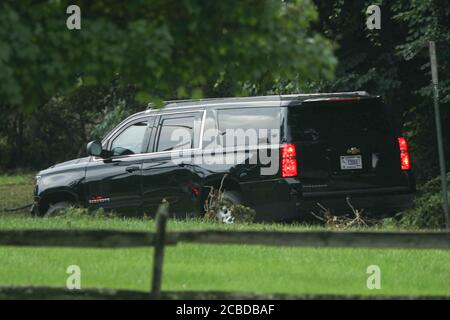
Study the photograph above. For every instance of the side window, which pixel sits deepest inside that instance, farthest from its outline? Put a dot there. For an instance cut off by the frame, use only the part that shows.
(316, 121)
(130, 140)
(211, 134)
(249, 126)
(179, 132)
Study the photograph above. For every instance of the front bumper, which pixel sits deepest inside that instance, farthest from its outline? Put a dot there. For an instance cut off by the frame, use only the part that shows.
(34, 210)
(35, 207)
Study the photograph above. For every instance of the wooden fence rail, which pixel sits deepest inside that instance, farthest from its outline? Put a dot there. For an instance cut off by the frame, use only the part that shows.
(161, 238)
(411, 240)
(76, 238)
(43, 293)
(122, 239)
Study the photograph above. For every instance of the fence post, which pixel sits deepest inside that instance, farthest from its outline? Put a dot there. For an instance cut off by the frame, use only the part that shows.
(437, 115)
(158, 257)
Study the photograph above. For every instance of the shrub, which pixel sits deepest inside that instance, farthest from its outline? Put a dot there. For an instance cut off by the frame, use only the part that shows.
(427, 211)
(219, 209)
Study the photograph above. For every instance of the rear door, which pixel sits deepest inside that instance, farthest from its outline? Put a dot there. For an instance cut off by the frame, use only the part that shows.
(345, 144)
(169, 170)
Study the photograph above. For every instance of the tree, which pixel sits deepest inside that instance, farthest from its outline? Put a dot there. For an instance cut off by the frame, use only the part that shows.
(425, 21)
(164, 49)
(394, 63)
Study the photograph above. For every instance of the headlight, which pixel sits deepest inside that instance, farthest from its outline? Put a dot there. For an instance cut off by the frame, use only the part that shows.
(37, 179)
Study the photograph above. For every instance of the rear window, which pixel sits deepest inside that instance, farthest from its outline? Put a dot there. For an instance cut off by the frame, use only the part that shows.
(332, 120)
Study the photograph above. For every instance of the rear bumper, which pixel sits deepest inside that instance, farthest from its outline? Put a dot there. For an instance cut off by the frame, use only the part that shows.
(357, 192)
(287, 201)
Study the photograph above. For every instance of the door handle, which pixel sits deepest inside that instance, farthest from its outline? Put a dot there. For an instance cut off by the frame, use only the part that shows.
(132, 168)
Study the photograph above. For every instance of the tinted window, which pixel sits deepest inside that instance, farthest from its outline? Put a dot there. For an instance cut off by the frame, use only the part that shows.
(177, 133)
(130, 140)
(264, 122)
(315, 121)
(211, 135)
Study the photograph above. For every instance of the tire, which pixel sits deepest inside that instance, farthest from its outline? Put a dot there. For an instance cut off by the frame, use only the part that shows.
(234, 197)
(224, 213)
(57, 208)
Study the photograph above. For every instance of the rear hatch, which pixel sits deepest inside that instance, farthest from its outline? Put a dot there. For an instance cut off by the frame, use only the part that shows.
(345, 146)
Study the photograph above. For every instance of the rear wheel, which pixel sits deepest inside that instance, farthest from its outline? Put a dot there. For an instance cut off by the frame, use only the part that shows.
(225, 211)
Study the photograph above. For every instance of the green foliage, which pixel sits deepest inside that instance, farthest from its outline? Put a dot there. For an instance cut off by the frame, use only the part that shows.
(111, 117)
(157, 49)
(72, 214)
(427, 212)
(425, 21)
(216, 206)
(394, 63)
(161, 46)
(432, 186)
(242, 213)
(61, 128)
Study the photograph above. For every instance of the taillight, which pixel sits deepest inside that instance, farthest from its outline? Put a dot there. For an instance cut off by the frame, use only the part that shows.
(288, 160)
(405, 161)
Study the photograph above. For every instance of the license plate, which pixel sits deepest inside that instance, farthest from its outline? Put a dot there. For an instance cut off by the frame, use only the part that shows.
(351, 162)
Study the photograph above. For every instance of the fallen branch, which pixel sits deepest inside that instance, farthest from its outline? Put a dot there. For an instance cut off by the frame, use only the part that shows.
(18, 209)
(343, 221)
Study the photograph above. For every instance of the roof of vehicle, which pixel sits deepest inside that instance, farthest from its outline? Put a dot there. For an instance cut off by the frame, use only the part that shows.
(263, 101)
(272, 100)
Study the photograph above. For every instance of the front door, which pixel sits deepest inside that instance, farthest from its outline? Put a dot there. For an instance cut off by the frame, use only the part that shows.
(115, 183)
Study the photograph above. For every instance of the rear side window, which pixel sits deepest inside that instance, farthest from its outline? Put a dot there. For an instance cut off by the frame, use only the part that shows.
(179, 132)
(260, 125)
(314, 121)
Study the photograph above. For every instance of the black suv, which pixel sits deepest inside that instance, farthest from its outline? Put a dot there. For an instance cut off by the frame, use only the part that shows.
(280, 155)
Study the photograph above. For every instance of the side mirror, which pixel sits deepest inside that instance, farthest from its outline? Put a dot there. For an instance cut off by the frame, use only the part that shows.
(94, 148)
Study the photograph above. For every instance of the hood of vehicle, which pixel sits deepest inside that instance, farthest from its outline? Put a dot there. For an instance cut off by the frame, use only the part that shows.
(71, 162)
(67, 165)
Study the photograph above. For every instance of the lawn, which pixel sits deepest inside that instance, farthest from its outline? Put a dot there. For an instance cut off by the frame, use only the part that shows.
(217, 267)
(15, 190)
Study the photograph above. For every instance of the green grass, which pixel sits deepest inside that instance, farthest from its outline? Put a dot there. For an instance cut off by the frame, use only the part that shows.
(211, 267)
(15, 179)
(15, 190)
(220, 267)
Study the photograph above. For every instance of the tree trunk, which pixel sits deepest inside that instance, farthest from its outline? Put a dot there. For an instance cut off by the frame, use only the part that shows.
(19, 140)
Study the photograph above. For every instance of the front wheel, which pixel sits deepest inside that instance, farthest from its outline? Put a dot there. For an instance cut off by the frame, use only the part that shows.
(57, 208)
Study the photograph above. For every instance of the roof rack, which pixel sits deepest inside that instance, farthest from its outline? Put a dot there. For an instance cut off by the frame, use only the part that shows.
(271, 97)
(359, 93)
(299, 96)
